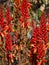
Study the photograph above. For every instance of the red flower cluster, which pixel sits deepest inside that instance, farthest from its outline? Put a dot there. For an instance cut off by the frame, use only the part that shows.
(43, 28)
(8, 44)
(37, 40)
(40, 38)
(4, 21)
(24, 8)
(40, 50)
(38, 34)
(1, 17)
(8, 15)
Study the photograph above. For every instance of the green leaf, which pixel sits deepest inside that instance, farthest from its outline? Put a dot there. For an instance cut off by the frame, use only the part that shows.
(39, 12)
(15, 27)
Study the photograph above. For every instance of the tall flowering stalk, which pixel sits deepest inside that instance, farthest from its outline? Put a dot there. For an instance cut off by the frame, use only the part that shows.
(8, 47)
(1, 16)
(43, 28)
(37, 40)
(40, 50)
(36, 36)
(42, 39)
(8, 15)
(24, 8)
(8, 44)
(38, 44)
(39, 37)
(33, 44)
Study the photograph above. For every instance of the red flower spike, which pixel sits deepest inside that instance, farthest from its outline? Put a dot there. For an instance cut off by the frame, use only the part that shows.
(8, 16)
(24, 8)
(43, 28)
(1, 16)
(40, 50)
(8, 44)
(37, 39)
(36, 35)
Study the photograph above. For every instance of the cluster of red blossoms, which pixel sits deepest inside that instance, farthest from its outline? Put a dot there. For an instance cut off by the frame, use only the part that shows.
(5, 19)
(5, 27)
(1, 17)
(8, 17)
(43, 28)
(8, 45)
(40, 38)
(24, 8)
